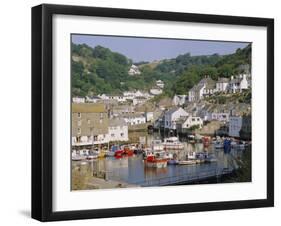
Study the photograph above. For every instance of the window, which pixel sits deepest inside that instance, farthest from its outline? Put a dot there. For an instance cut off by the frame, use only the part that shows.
(79, 122)
(88, 121)
(112, 135)
(79, 115)
(79, 131)
(122, 134)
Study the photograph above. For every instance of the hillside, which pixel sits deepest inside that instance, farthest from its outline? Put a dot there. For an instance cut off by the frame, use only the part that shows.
(99, 70)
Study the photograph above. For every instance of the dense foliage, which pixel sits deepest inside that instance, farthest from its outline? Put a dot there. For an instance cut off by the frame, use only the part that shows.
(99, 70)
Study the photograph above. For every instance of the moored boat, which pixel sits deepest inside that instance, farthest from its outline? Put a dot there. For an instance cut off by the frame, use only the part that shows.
(78, 157)
(172, 143)
(109, 153)
(219, 145)
(156, 160)
(128, 151)
(118, 153)
(187, 162)
(172, 162)
(156, 145)
(206, 141)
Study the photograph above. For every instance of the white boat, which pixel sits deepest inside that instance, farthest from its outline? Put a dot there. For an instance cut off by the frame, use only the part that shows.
(187, 162)
(109, 153)
(218, 145)
(168, 155)
(172, 143)
(191, 155)
(78, 157)
(233, 143)
(157, 145)
(91, 157)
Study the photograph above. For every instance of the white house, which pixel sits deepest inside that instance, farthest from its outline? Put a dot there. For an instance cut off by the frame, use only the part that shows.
(217, 116)
(222, 84)
(103, 97)
(156, 91)
(190, 121)
(78, 100)
(117, 98)
(235, 125)
(134, 70)
(134, 119)
(139, 100)
(179, 100)
(160, 84)
(117, 130)
(205, 87)
(238, 84)
(172, 116)
(221, 116)
(93, 99)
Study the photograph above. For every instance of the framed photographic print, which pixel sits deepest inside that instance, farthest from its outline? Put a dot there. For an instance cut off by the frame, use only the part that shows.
(146, 112)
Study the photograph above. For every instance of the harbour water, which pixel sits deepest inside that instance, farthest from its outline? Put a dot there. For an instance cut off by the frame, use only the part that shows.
(131, 170)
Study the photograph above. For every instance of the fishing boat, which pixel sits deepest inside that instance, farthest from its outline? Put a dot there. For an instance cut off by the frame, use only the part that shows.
(218, 145)
(156, 145)
(109, 153)
(172, 162)
(127, 151)
(191, 155)
(92, 155)
(172, 143)
(227, 145)
(119, 153)
(191, 138)
(206, 141)
(156, 160)
(201, 155)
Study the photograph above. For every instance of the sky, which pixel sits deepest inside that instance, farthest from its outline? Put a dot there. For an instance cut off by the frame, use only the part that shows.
(150, 49)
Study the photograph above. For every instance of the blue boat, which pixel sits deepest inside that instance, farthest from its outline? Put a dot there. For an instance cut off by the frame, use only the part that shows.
(227, 145)
(173, 162)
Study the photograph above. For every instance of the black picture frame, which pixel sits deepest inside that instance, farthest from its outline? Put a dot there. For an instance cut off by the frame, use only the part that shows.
(42, 111)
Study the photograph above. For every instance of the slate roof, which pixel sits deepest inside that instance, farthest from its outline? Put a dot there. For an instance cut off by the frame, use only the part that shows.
(117, 122)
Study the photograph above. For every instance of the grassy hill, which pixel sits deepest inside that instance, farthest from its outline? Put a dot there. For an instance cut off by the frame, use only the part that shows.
(100, 70)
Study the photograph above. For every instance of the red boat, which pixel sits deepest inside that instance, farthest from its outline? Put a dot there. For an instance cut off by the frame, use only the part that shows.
(155, 162)
(128, 151)
(206, 141)
(119, 153)
(125, 152)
